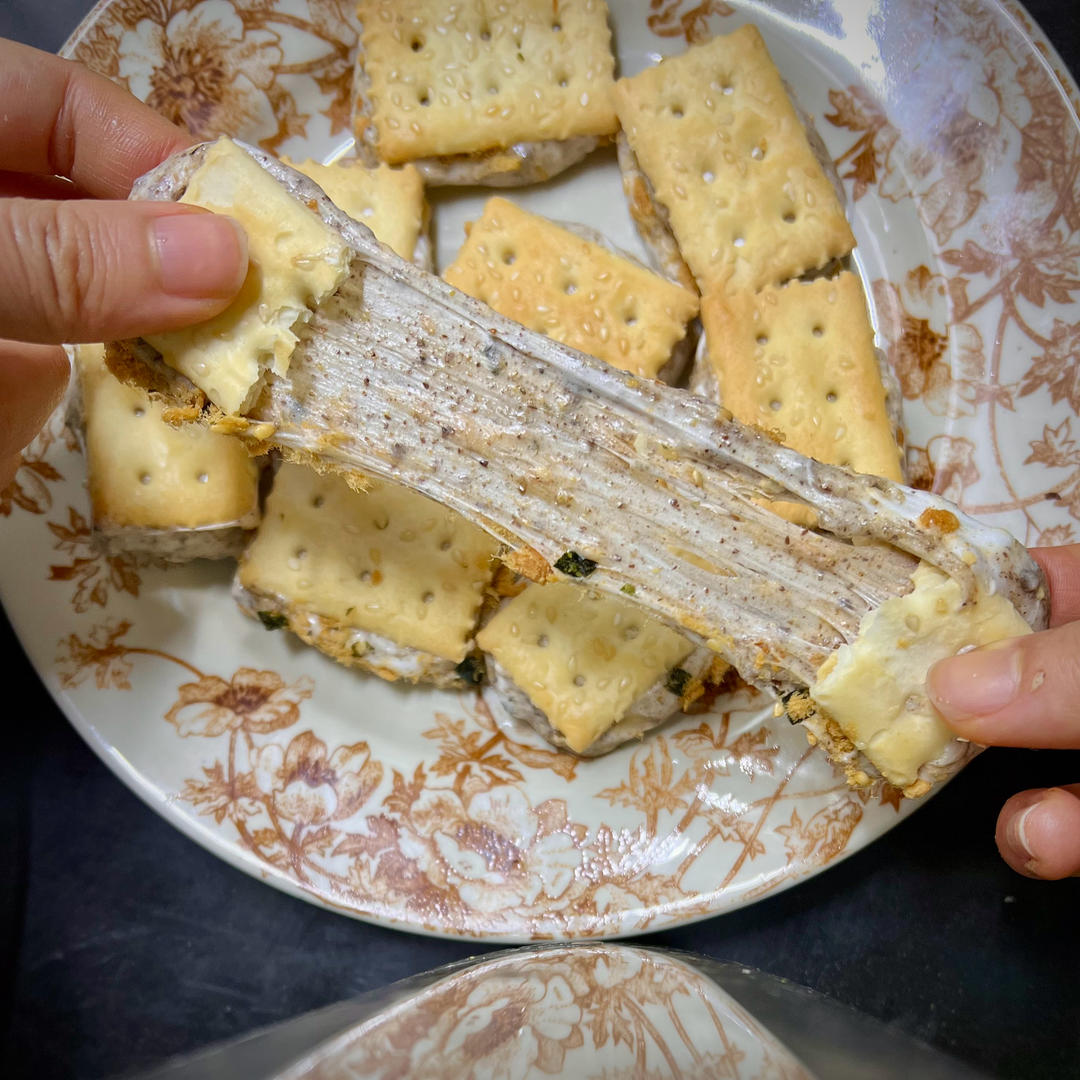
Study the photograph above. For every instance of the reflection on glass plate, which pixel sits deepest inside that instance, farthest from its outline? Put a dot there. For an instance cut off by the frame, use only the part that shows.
(599, 1011)
(416, 808)
(595, 1010)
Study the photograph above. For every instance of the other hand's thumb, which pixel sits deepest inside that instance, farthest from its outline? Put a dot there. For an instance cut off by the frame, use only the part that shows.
(1021, 692)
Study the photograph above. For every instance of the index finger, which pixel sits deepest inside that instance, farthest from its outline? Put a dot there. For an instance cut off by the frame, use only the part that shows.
(61, 119)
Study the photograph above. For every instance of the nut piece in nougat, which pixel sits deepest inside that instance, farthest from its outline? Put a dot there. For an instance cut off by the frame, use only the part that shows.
(727, 158)
(295, 262)
(386, 579)
(586, 662)
(575, 291)
(476, 92)
(176, 493)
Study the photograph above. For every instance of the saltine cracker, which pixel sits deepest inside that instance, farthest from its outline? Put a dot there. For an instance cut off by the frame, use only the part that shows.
(582, 658)
(571, 289)
(475, 75)
(386, 560)
(390, 202)
(145, 474)
(887, 662)
(295, 260)
(799, 360)
(728, 158)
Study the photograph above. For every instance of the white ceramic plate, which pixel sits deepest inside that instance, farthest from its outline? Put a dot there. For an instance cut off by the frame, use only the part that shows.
(954, 128)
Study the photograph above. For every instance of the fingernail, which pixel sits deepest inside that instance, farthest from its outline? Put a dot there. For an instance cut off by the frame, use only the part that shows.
(1017, 833)
(199, 255)
(977, 683)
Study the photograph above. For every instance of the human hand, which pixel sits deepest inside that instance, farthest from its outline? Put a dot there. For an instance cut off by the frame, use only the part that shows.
(76, 262)
(1026, 692)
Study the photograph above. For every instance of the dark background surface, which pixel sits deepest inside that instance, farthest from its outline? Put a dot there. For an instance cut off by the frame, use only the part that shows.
(128, 943)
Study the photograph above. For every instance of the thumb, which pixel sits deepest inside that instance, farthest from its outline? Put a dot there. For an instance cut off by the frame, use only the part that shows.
(1021, 692)
(89, 270)
(1038, 832)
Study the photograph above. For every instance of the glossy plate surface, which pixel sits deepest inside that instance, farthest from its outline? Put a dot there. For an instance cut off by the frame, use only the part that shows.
(419, 809)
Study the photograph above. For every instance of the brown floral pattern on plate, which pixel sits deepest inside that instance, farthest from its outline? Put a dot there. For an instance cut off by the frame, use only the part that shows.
(218, 68)
(667, 19)
(997, 319)
(29, 489)
(460, 844)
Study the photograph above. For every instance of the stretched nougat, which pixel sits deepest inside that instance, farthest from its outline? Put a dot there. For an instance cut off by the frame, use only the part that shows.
(598, 475)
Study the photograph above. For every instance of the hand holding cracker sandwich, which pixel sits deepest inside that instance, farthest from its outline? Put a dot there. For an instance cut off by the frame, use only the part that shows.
(1026, 692)
(81, 264)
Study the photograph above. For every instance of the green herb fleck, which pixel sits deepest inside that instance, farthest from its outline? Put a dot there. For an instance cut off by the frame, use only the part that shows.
(628, 589)
(471, 670)
(273, 620)
(677, 681)
(574, 565)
